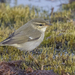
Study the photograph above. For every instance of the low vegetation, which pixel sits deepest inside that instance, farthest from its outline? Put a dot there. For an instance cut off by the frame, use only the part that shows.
(56, 52)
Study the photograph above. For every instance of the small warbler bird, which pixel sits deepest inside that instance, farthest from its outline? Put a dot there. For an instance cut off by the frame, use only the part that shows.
(28, 36)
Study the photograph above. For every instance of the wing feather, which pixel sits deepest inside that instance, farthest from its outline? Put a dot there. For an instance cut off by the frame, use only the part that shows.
(22, 36)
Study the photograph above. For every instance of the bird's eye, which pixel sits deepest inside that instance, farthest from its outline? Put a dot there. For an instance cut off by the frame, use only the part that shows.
(40, 25)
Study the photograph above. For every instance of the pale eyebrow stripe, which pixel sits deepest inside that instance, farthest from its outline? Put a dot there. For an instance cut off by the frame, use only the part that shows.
(37, 23)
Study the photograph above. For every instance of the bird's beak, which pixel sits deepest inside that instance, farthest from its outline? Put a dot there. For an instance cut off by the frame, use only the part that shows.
(48, 24)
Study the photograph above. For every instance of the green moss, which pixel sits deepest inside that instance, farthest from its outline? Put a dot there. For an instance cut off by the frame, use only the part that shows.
(69, 6)
(56, 52)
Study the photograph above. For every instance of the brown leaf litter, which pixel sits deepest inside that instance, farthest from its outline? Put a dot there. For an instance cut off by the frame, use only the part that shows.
(13, 68)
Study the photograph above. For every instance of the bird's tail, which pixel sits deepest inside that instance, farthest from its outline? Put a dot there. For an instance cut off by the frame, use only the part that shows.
(1, 44)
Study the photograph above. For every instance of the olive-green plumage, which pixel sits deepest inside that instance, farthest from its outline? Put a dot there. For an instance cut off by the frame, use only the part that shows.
(29, 35)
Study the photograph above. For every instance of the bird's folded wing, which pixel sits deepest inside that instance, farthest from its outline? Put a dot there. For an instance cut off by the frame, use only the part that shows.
(22, 37)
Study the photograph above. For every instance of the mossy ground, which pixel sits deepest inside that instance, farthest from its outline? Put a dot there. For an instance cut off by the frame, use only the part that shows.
(56, 52)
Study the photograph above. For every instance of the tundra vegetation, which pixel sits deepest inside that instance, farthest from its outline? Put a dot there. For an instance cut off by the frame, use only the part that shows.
(56, 52)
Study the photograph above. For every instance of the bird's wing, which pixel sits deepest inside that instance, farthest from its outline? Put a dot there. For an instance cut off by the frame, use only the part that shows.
(22, 36)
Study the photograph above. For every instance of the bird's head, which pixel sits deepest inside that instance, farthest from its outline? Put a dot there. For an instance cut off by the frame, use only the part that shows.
(40, 24)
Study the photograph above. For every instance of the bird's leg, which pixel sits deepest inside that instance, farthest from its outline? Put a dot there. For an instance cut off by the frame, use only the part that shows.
(34, 59)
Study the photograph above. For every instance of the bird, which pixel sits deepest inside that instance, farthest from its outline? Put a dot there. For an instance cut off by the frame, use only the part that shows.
(29, 36)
